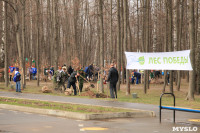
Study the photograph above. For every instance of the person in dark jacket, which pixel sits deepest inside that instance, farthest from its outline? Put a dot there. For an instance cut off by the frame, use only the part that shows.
(138, 77)
(72, 81)
(90, 71)
(113, 78)
(157, 74)
(70, 70)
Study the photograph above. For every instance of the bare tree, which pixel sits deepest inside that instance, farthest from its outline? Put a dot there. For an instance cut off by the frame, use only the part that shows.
(165, 44)
(191, 88)
(126, 43)
(5, 7)
(101, 44)
(118, 43)
(38, 42)
(23, 42)
(17, 31)
(170, 37)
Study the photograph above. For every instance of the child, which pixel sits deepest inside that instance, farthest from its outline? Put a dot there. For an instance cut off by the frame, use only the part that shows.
(17, 78)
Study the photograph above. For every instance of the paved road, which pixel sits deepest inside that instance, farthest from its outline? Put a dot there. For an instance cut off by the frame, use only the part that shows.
(19, 122)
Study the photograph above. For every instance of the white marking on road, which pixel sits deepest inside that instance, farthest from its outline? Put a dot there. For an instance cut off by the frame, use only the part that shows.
(82, 130)
(80, 125)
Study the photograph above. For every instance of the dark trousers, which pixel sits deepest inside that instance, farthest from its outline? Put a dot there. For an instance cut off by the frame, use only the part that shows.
(10, 78)
(138, 80)
(69, 84)
(113, 90)
(80, 86)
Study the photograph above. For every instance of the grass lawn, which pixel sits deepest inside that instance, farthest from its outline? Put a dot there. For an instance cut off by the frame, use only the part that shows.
(152, 96)
(61, 106)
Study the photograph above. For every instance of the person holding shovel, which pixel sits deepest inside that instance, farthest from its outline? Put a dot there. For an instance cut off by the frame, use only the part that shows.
(113, 79)
(81, 79)
(72, 81)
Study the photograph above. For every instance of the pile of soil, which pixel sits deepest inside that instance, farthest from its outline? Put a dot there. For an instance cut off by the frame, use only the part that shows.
(93, 95)
(89, 93)
(101, 95)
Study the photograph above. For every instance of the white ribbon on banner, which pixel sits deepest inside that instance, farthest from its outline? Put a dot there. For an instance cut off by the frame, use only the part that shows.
(178, 60)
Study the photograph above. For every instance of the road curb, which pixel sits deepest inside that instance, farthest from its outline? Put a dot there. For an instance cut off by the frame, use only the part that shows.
(81, 116)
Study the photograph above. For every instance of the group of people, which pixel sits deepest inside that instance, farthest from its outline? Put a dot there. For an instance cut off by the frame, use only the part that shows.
(70, 76)
(154, 74)
(32, 71)
(67, 75)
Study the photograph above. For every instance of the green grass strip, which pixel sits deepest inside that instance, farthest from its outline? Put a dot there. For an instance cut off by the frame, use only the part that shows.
(61, 106)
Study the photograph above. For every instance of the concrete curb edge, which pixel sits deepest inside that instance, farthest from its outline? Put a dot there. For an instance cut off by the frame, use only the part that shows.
(81, 116)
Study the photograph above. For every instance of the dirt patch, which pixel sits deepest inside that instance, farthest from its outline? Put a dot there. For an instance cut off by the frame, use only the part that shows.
(2, 88)
(93, 95)
(11, 90)
(89, 93)
(101, 95)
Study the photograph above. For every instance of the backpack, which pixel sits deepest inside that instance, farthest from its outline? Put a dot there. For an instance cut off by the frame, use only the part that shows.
(34, 70)
(16, 77)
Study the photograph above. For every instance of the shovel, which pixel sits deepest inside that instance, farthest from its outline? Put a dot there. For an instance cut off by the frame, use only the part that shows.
(92, 85)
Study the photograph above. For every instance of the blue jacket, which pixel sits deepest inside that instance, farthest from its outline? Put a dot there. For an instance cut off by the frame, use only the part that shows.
(34, 70)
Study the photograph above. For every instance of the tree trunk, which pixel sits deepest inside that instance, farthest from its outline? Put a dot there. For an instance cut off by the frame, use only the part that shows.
(198, 63)
(146, 14)
(38, 43)
(5, 7)
(126, 43)
(191, 88)
(118, 44)
(178, 34)
(170, 39)
(17, 31)
(138, 28)
(31, 36)
(165, 44)
(197, 48)
(122, 42)
(101, 45)
(23, 44)
(55, 33)
(111, 34)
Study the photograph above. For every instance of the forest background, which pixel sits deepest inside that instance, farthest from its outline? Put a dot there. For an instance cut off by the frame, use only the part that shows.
(54, 32)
